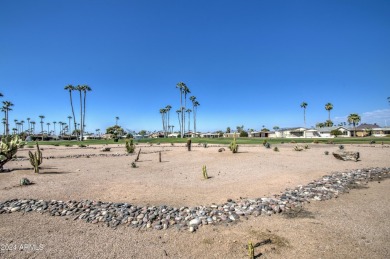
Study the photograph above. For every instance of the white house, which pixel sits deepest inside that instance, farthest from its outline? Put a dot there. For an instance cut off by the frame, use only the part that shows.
(380, 132)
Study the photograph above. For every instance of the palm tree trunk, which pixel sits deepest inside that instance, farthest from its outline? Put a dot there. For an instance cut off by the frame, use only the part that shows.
(81, 118)
(74, 117)
(85, 97)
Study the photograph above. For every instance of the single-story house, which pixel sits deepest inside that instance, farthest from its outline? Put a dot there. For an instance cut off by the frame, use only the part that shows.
(364, 129)
(209, 135)
(380, 132)
(325, 132)
(173, 135)
(259, 134)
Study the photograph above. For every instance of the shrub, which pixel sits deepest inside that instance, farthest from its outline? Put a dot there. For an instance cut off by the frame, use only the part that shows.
(68, 145)
(267, 145)
(25, 181)
(316, 142)
(82, 145)
(205, 145)
(307, 147)
(133, 165)
(56, 145)
(341, 147)
(293, 141)
(264, 142)
(298, 148)
(330, 142)
(326, 152)
(372, 142)
(276, 149)
(129, 146)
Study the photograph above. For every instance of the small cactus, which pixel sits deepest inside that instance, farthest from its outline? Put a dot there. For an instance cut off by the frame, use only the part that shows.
(204, 171)
(276, 149)
(36, 158)
(8, 148)
(251, 251)
(233, 145)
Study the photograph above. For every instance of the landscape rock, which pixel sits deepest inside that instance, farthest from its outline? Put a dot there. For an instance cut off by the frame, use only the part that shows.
(347, 155)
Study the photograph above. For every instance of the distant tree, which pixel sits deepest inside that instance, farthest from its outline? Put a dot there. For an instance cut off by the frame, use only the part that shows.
(181, 87)
(115, 130)
(336, 132)
(167, 112)
(6, 108)
(71, 88)
(41, 117)
(329, 107)
(304, 105)
(354, 119)
(142, 132)
(228, 130)
(328, 123)
(276, 128)
(85, 89)
(48, 127)
(265, 130)
(32, 127)
(163, 113)
(179, 118)
(29, 125)
(54, 125)
(189, 118)
(243, 134)
(116, 120)
(320, 125)
(69, 128)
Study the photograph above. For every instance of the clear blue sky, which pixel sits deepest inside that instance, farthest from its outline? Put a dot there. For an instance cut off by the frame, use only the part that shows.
(248, 63)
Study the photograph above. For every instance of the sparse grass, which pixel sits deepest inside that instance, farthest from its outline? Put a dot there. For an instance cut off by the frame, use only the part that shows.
(276, 240)
(298, 212)
(224, 141)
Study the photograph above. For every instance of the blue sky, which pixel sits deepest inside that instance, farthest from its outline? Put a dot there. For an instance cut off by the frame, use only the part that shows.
(248, 63)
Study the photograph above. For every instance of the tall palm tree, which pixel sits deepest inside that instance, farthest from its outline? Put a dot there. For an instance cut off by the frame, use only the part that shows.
(22, 124)
(186, 91)
(163, 112)
(71, 88)
(167, 110)
(3, 121)
(178, 117)
(86, 88)
(189, 118)
(304, 105)
(181, 87)
(328, 107)
(32, 127)
(193, 99)
(6, 108)
(195, 110)
(70, 128)
(42, 117)
(54, 124)
(60, 124)
(116, 120)
(48, 128)
(28, 124)
(353, 119)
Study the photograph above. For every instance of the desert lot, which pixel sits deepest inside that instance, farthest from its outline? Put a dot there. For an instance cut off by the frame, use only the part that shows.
(355, 225)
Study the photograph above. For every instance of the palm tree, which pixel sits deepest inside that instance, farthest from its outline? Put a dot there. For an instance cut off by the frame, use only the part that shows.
(70, 128)
(32, 126)
(6, 108)
(189, 118)
(22, 124)
(71, 88)
(86, 89)
(167, 110)
(193, 100)
(42, 117)
(97, 132)
(181, 87)
(48, 128)
(186, 91)
(54, 124)
(60, 124)
(328, 107)
(353, 119)
(178, 117)
(163, 112)
(29, 126)
(304, 105)
(3, 121)
(116, 120)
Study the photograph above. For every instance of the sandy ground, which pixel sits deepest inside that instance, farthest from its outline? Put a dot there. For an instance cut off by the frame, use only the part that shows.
(356, 225)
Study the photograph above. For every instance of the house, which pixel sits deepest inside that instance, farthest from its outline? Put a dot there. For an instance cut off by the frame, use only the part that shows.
(325, 132)
(173, 135)
(259, 134)
(209, 135)
(293, 132)
(365, 130)
(380, 132)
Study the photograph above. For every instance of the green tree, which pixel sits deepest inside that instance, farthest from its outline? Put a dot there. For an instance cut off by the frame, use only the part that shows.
(41, 117)
(29, 126)
(6, 108)
(228, 130)
(328, 107)
(354, 119)
(195, 105)
(71, 88)
(116, 120)
(167, 111)
(54, 125)
(48, 128)
(163, 113)
(304, 105)
(115, 130)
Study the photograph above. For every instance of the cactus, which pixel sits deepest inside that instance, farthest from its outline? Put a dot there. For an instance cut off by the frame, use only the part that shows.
(8, 147)
(298, 148)
(233, 145)
(204, 171)
(189, 144)
(267, 145)
(251, 250)
(276, 149)
(36, 158)
(130, 148)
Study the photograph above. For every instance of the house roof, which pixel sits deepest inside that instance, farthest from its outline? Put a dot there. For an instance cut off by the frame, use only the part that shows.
(367, 126)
